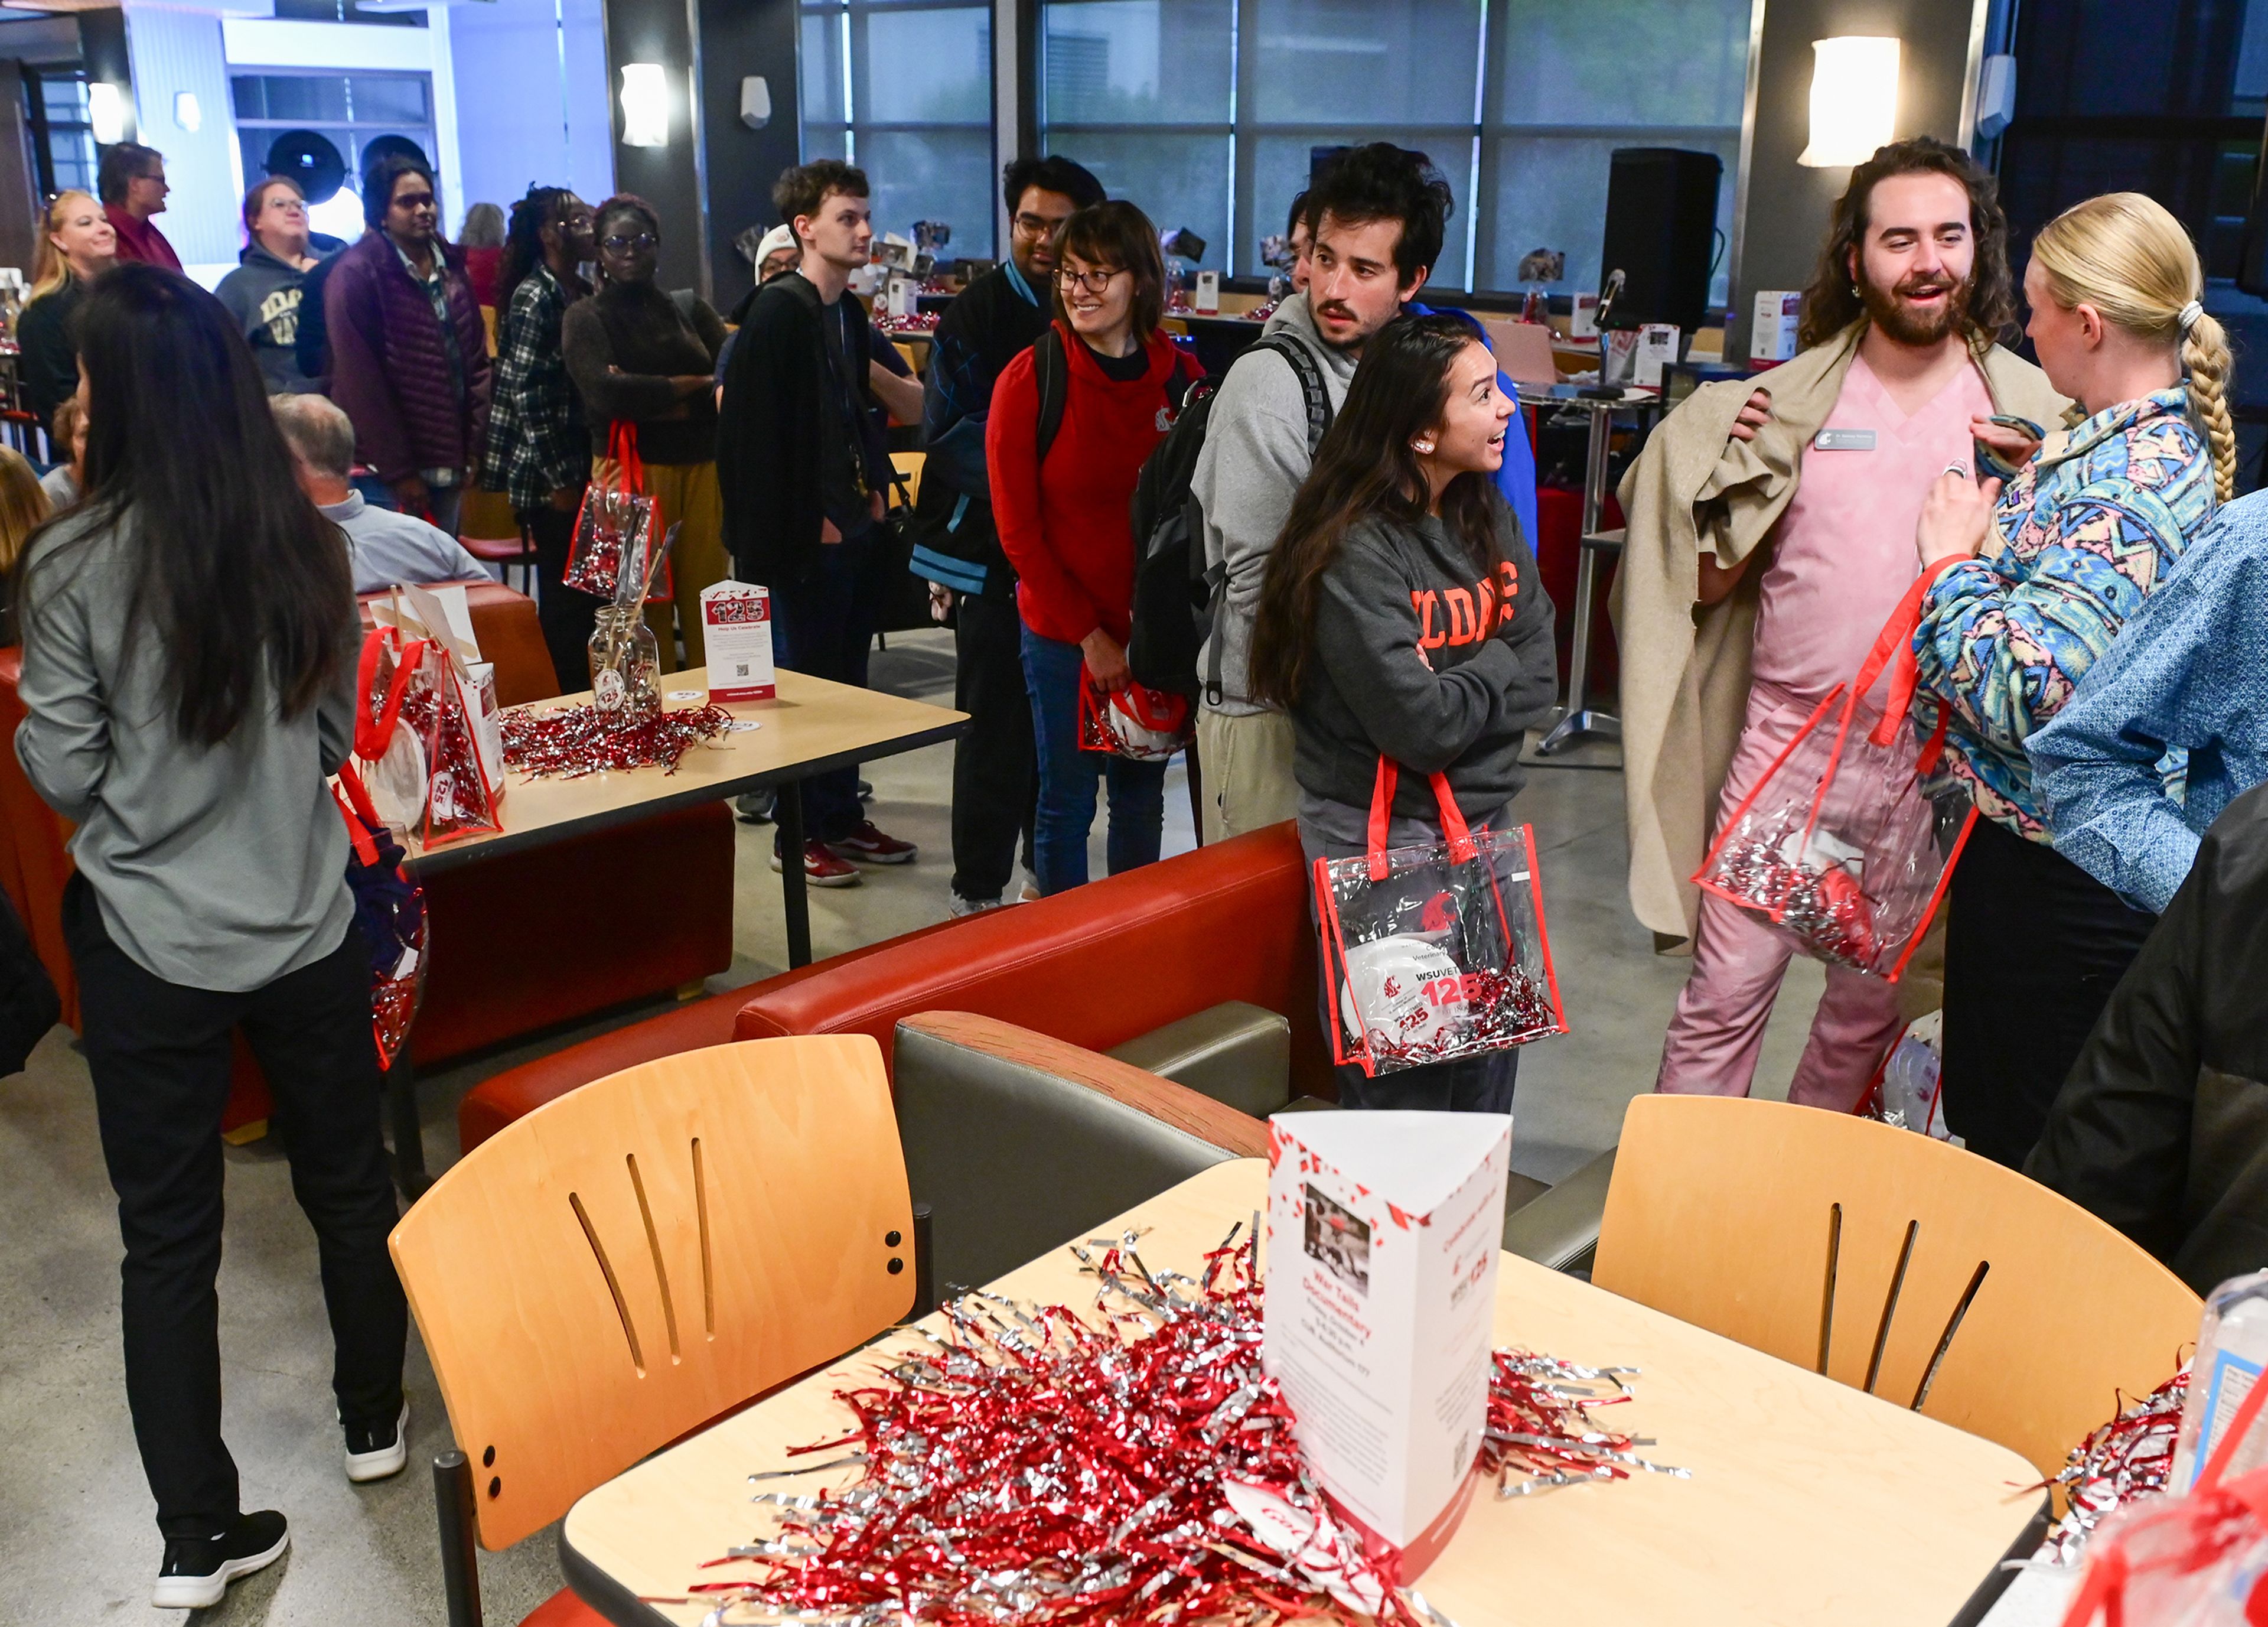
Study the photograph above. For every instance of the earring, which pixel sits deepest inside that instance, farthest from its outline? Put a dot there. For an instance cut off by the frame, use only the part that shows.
(1421, 447)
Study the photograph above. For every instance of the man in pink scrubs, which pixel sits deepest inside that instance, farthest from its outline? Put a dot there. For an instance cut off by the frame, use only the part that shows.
(1911, 401)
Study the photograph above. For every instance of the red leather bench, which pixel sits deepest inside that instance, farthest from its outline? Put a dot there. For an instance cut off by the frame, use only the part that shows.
(1096, 966)
(535, 937)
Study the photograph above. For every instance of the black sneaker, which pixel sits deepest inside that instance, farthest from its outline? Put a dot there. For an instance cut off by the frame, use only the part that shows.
(198, 1569)
(375, 1453)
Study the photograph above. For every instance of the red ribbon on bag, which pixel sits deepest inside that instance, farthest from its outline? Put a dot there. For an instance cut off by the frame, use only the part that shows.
(373, 735)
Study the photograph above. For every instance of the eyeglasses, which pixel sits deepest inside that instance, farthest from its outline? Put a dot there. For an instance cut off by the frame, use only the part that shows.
(617, 243)
(1093, 282)
(1036, 225)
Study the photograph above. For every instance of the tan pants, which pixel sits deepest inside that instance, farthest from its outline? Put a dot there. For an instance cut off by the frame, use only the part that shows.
(1247, 772)
(690, 500)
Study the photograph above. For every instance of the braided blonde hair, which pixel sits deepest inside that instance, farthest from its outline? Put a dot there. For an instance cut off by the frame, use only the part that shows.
(2130, 259)
(2125, 255)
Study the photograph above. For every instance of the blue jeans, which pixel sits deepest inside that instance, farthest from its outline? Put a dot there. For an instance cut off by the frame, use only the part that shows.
(823, 627)
(1052, 672)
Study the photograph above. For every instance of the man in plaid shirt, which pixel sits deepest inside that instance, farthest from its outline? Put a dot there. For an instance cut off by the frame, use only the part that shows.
(538, 451)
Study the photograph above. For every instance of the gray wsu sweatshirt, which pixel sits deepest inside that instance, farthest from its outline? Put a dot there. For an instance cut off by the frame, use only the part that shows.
(1418, 658)
(1252, 462)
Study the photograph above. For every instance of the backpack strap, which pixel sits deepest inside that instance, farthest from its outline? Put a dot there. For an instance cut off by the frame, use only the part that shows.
(1052, 370)
(1312, 388)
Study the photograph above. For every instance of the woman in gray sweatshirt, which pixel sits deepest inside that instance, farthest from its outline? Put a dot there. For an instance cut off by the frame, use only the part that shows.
(1403, 617)
(189, 639)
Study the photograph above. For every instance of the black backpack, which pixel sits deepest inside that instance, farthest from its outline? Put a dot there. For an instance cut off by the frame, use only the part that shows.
(1176, 595)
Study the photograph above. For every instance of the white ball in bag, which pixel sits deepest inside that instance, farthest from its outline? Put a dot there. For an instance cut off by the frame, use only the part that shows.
(1387, 982)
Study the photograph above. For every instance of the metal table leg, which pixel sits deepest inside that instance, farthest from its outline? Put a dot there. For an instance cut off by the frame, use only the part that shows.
(1576, 719)
(795, 895)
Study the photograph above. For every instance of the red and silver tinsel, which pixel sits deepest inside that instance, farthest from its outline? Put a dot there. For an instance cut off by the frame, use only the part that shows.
(567, 742)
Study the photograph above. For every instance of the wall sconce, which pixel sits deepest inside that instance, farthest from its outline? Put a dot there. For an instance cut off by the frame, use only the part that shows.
(106, 110)
(645, 104)
(1854, 99)
(187, 114)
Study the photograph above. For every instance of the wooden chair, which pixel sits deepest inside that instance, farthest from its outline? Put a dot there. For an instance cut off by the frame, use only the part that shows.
(642, 1254)
(1921, 1273)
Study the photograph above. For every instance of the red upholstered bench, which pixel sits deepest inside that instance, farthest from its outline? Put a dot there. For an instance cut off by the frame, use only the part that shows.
(1096, 966)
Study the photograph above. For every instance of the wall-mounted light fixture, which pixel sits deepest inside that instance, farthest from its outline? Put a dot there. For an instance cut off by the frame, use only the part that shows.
(1854, 99)
(106, 110)
(187, 114)
(645, 104)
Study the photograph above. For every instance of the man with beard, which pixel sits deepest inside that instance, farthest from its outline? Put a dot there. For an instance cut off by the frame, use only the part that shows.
(1770, 535)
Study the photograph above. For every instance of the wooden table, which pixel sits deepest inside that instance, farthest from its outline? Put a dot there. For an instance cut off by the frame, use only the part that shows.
(811, 726)
(1809, 1501)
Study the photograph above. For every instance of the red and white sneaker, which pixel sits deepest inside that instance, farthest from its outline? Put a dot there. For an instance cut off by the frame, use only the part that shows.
(869, 845)
(823, 868)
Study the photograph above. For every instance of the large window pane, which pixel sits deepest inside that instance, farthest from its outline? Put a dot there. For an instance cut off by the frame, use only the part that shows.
(1135, 61)
(1622, 61)
(1281, 163)
(1177, 181)
(1354, 63)
(819, 72)
(933, 175)
(929, 67)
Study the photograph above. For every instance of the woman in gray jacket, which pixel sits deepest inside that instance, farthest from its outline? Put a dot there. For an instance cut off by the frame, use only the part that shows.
(1401, 617)
(268, 290)
(190, 640)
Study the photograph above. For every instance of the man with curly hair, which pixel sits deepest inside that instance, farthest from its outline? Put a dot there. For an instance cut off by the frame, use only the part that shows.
(1770, 535)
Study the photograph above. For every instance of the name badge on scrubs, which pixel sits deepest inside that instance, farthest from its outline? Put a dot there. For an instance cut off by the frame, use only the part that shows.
(1844, 441)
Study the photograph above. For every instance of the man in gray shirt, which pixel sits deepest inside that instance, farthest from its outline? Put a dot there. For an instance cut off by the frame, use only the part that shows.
(387, 547)
(1378, 214)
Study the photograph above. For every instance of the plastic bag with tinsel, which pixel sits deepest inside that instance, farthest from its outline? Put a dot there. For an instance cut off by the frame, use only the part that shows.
(1435, 951)
(415, 745)
(1143, 724)
(617, 526)
(1837, 846)
(389, 915)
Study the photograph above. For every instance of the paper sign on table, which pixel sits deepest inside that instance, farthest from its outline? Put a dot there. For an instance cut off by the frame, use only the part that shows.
(736, 621)
(1383, 1231)
(442, 614)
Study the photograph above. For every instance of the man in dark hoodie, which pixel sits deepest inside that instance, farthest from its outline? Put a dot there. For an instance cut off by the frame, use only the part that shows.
(267, 291)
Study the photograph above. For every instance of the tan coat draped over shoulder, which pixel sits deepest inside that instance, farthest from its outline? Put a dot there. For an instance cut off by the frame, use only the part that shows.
(1684, 666)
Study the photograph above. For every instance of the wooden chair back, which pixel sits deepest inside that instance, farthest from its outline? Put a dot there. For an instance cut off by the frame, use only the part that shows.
(1891, 1261)
(640, 1255)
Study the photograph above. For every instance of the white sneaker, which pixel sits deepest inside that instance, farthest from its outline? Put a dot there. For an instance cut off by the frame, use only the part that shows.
(972, 906)
(371, 1454)
(1031, 890)
(196, 1571)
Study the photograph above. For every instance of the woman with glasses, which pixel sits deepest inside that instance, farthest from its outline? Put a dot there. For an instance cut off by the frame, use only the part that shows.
(645, 358)
(265, 291)
(1063, 523)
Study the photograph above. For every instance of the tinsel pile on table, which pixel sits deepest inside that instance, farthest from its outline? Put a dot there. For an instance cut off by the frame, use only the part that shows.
(567, 742)
(1031, 1468)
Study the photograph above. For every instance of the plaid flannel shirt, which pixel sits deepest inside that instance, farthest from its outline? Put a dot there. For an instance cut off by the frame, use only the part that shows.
(537, 441)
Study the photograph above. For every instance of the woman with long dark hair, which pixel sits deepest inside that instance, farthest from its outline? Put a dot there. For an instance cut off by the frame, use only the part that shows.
(647, 358)
(190, 637)
(1063, 523)
(1402, 617)
(539, 453)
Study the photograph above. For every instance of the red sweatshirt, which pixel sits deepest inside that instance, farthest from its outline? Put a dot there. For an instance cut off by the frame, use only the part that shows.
(1065, 527)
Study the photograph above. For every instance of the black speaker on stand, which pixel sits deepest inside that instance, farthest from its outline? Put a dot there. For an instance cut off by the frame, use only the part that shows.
(1661, 234)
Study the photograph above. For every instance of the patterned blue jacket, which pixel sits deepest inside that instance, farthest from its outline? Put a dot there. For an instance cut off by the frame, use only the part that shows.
(2189, 674)
(2087, 530)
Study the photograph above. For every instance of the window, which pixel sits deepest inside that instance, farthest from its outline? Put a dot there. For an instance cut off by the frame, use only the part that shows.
(1208, 112)
(62, 132)
(346, 11)
(922, 127)
(349, 110)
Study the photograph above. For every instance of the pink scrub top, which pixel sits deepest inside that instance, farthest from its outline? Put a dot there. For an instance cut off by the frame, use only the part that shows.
(1843, 549)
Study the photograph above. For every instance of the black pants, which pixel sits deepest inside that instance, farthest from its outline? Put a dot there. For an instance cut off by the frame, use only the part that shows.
(567, 615)
(159, 1055)
(2033, 947)
(995, 768)
(823, 627)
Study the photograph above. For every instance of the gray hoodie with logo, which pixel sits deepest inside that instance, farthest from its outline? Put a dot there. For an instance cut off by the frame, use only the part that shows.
(263, 294)
(1253, 462)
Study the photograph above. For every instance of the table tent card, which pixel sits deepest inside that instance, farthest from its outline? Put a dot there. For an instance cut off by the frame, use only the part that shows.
(736, 619)
(1383, 1231)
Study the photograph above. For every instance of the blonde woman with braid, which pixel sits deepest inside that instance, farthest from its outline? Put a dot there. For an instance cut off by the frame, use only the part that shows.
(2026, 594)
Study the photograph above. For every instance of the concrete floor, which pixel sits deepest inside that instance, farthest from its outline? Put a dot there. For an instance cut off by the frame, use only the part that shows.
(75, 1515)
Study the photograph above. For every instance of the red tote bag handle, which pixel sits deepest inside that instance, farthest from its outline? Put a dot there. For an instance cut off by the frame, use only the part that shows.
(1894, 649)
(1382, 814)
(373, 735)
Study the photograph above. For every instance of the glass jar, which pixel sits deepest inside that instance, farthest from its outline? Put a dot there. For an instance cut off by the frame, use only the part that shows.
(625, 665)
(2232, 1349)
